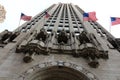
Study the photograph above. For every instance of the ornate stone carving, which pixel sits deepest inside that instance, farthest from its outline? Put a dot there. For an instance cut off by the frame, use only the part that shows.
(83, 38)
(25, 75)
(42, 35)
(89, 50)
(13, 36)
(28, 57)
(2, 14)
(5, 37)
(62, 37)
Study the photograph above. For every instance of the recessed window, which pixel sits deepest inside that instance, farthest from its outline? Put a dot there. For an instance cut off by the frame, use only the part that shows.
(103, 32)
(74, 26)
(99, 34)
(51, 25)
(28, 24)
(76, 31)
(67, 31)
(23, 30)
(61, 21)
(66, 19)
(54, 18)
(81, 26)
(48, 21)
(36, 20)
(36, 17)
(45, 24)
(79, 22)
(58, 30)
(60, 26)
(97, 31)
(53, 21)
(73, 19)
(66, 22)
(33, 23)
(50, 30)
(28, 27)
(50, 18)
(66, 25)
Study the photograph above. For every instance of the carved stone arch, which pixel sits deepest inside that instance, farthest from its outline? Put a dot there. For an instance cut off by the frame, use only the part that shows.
(57, 70)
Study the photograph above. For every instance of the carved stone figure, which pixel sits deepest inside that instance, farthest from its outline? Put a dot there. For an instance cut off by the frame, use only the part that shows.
(5, 36)
(62, 37)
(83, 38)
(13, 36)
(42, 35)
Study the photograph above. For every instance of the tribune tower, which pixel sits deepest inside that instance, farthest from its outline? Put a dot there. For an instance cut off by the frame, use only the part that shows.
(60, 47)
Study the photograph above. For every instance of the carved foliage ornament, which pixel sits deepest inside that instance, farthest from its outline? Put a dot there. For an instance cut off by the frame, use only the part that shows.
(2, 14)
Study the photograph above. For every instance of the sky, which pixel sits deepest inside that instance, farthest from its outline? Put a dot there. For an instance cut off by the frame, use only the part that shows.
(104, 10)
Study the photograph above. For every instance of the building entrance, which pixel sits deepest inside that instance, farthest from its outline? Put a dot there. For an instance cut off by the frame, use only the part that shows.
(57, 70)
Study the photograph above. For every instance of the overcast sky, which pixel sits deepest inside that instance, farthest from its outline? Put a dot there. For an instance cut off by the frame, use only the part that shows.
(104, 10)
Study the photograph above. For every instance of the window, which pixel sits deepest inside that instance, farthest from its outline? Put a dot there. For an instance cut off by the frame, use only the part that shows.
(66, 25)
(51, 25)
(54, 18)
(49, 30)
(45, 24)
(48, 21)
(74, 26)
(61, 21)
(60, 26)
(66, 21)
(28, 27)
(67, 31)
(53, 21)
(33, 23)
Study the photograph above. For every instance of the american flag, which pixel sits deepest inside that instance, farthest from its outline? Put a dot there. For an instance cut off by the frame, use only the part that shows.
(25, 17)
(115, 20)
(90, 16)
(85, 16)
(47, 14)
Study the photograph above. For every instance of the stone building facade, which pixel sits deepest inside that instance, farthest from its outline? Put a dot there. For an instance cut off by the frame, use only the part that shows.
(59, 47)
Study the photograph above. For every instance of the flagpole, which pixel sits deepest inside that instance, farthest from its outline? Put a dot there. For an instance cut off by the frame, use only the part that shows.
(110, 26)
(19, 22)
(43, 21)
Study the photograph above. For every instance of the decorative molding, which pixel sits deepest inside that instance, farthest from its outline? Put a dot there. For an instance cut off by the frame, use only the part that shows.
(40, 66)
